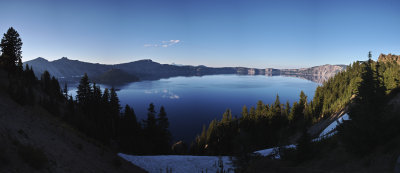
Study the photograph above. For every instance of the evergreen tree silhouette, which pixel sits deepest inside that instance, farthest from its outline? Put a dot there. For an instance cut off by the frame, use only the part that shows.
(11, 45)
(164, 135)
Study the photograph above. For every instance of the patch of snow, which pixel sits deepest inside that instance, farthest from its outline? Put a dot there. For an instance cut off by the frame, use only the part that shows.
(327, 132)
(180, 163)
(331, 128)
(273, 151)
(200, 164)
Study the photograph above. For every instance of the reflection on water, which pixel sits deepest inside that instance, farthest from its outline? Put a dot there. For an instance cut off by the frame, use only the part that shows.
(191, 102)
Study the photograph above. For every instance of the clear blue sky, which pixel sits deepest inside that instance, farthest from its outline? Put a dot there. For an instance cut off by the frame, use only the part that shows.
(268, 33)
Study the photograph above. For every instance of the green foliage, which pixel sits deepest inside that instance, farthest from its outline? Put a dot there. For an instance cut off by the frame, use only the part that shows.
(262, 126)
(84, 90)
(96, 114)
(99, 115)
(269, 125)
(129, 129)
(163, 134)
(336, 93)
(372, 123)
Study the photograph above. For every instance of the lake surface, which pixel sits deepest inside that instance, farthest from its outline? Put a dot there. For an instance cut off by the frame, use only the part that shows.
(191, 102)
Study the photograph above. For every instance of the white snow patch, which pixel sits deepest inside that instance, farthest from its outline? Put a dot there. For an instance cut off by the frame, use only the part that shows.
(200, 164)
(273, 151)
(180, 163)
(331, 128)
(327, 132)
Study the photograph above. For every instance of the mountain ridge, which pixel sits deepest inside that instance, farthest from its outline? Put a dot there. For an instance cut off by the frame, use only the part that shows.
(71, 70)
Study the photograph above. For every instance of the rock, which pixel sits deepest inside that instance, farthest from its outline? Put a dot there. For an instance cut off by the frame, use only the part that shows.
(389, 58)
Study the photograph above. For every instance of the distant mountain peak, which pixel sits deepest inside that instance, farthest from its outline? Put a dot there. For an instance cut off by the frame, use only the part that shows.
(40, 59)
(63, 59)
(145, 60)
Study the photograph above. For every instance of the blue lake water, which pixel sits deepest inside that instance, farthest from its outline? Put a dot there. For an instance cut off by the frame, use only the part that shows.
(191, 102)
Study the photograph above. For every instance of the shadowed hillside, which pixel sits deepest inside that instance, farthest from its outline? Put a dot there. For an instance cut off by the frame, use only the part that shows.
(34, 140)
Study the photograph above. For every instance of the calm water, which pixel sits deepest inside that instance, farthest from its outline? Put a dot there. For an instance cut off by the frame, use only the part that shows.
(191, 102)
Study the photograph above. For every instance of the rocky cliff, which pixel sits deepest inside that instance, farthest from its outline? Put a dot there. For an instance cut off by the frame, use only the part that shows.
(317, 74)
(389, 58)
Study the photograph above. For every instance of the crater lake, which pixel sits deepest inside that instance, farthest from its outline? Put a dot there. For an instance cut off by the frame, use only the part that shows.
(191, 102)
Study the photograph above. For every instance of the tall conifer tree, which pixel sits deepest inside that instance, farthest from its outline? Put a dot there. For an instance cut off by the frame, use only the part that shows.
(11, 45)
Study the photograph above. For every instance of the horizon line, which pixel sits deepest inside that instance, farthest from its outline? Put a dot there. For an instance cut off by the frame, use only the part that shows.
(175, 63)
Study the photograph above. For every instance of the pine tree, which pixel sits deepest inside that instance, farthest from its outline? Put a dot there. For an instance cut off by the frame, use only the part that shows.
(364, 131)
(227, 116)
(84, 90)
(29, 75)
(162, 119)
(114, 110)
(55, 87)
(150, 129)
(164, 134)
(150, 123)
(287, 108)
(129, 131)
(46, 81)
(277, 106)
(114, 101)
(65, 90)
(252, 113)
(259, 109)
(11, 45)
(245, 112)
(106, 96)
(303, 99)
(97, 96)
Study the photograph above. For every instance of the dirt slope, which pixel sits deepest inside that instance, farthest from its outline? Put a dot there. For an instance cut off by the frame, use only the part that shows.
(31, 140)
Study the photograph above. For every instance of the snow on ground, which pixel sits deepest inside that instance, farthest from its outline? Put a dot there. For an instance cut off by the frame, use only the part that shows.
(331, 128)
(180, 163)
(205, 164)
(327, 132)
(270, 151)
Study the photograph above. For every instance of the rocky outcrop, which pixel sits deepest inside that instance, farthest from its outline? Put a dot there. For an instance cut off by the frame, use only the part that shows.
(389, 58)
(317, 74)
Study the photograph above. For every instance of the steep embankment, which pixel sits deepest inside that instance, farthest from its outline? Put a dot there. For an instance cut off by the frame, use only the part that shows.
(32, 140)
